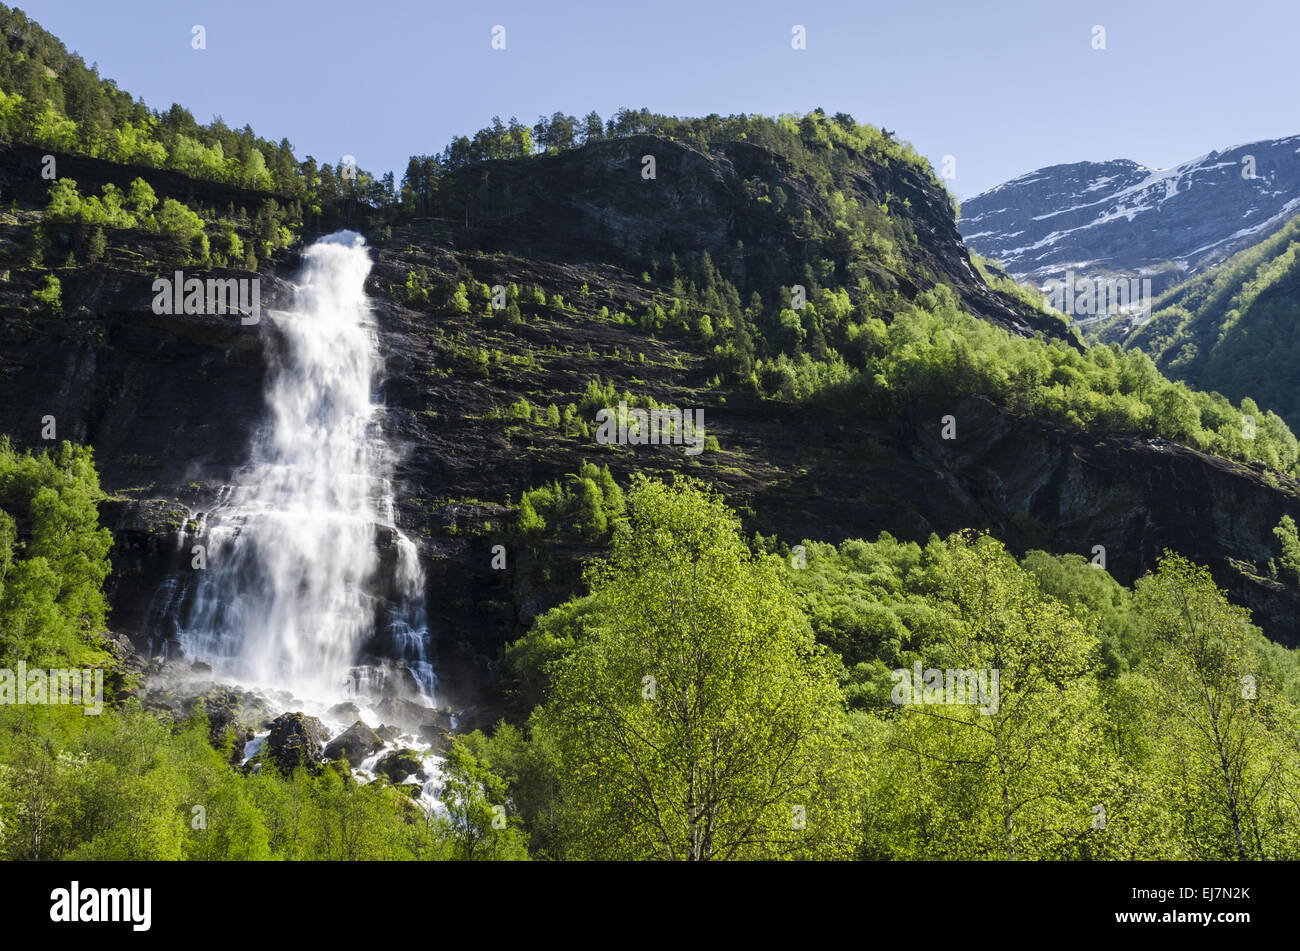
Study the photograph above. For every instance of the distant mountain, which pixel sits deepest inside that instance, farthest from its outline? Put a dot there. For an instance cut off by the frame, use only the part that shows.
(1122, 218)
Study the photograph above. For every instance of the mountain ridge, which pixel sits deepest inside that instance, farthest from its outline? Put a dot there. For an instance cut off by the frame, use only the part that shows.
(1126, 218)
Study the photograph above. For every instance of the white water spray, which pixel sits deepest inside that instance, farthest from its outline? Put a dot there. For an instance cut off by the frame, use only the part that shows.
(293, 561)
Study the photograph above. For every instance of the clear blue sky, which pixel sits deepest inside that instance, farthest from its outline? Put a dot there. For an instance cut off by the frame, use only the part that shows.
(1005, 87)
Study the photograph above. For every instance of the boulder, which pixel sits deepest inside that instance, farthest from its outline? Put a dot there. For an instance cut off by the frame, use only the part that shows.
(404, 713)
(354, 744)
(174, 695)
(222, 722)
(439, 740)
(439, 717)
(471, 718)
(295, 740)
(399, 764)
(347, 710)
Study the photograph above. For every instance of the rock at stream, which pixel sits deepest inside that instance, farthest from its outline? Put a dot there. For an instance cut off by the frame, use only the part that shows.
(295, 740)
(354, 744)
(399, 764)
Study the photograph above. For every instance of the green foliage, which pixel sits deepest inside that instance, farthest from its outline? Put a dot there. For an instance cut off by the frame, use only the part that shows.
(530, 523)
(1230, 329)
(232, 252)
(65, 200)
(49, 296)
(1289, 539)
(998, 279)
(934, 349)
(110, 210)
(1227, 743)
(270, 227)
(53, 558)
(1012, 779)
(183, 226)
(459, 301)
(796, 137)
(96, 246)
(931, 349)
(127, 786)
(1096, 598)
(700, 720)
(141, 197)
(51, 98)
(584, 508)
(480, 828)
(417, 287)
(605, 395)
(1155, 724)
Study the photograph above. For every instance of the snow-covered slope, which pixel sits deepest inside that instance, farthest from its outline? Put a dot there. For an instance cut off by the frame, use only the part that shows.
(1122, 217)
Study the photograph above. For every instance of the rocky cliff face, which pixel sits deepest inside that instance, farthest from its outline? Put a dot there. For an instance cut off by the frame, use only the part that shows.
(169, 404)
(593, 204)
(1125, 218)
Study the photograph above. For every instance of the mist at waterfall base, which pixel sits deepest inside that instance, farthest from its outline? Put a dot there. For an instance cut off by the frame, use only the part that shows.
(310, 590)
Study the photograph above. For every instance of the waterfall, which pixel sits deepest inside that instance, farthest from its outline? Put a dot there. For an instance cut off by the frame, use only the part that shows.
(296, 588)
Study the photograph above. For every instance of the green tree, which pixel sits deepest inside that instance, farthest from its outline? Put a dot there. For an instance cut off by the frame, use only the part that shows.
(530, 523)
(1010, 772)
(481, 828)
(141, 197)
(701, 720)
(181, 225)
(52, 607)
(49, 296)
(590, 510)
(65, 201)
(1175, 414)
(1215, 751)
(97, 246)
(1289, 539)
(460, 300)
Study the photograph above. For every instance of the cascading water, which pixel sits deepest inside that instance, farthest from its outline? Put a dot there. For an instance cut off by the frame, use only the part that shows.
(292, 589)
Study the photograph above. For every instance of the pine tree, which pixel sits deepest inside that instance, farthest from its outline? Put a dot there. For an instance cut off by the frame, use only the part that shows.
(97, 246)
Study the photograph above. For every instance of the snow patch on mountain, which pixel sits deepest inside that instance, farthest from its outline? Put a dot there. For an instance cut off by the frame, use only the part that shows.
(1127, 217)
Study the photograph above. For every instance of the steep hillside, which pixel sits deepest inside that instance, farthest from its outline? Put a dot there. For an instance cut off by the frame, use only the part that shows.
(608, 277)
(1122, 218)
(799, 280)
(1232, 329)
